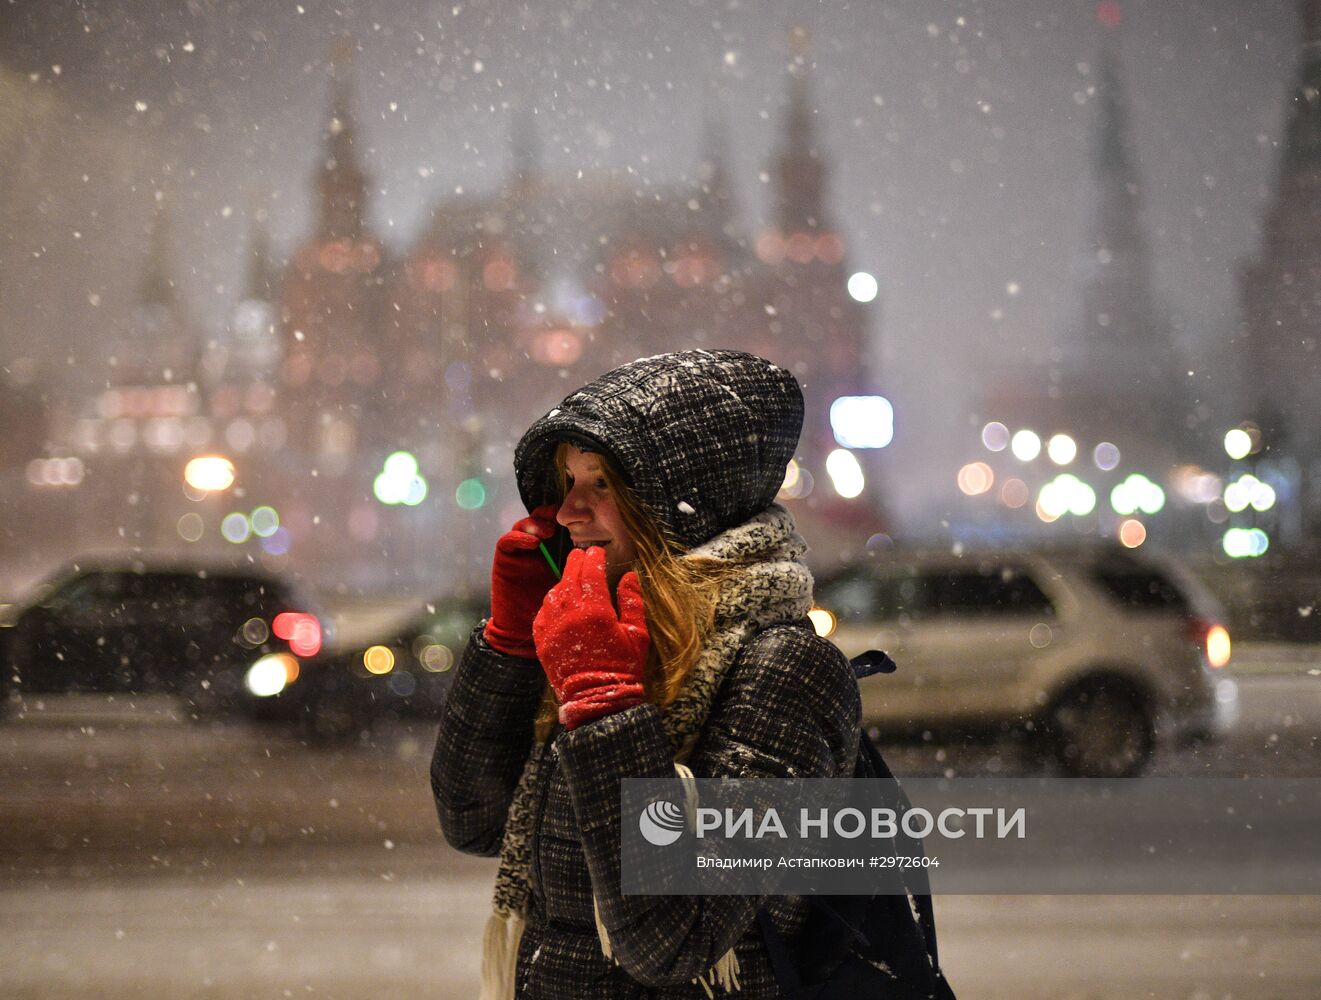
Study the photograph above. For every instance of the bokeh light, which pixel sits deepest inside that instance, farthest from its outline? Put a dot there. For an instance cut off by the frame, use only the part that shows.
(1014, 493)
(1105, 456)
(845, 473)
(235, 528)
(470, 494)
(209, 472)
(1245, 543)
(862, 287)
(1132, 533)
(378, 659)
(995, 436)
(265, 521)
(1025, 445)
(976, 478)
(1135, 493)
(1238, 444)
(1062, 449)
(862, 421)
(190, 527)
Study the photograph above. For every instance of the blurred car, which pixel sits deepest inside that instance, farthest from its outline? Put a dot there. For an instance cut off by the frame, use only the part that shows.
(1094, 651)
(133, 628)
(403, 672)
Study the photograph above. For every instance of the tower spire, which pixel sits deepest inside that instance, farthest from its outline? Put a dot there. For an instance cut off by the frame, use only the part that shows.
(524, 148)
(800, 174)
(260, 277)
(1310, 11)
(714, 180)
(342, 183)
(156, 287)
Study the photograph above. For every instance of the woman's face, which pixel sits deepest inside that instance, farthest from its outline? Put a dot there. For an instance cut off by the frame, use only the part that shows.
(591, 515)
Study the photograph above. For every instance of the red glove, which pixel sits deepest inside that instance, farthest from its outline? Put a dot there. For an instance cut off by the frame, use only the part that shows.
(593, 657)
(520, 577)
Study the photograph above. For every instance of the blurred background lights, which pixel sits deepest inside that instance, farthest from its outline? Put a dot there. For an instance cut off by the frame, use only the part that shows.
(995, 436)
(1062, 449)
(399, 482)
(1025, 445)
(797, 483)
(1132, 533)
(1196, 485)
(271, 674)
(822, 620)
(1249, 491)
(1135, 493)
(976, 478)
(470, 494)
(1238, 444)
(190, 527)
(1014, 493)
(1066, 494)
(265, 521)
(417, 492)
(209, 472)
(378, 659)
(845, 473)
(1245, 543)
(862, 287)
(1105, 456)
(862, 421)
(235, 528)
(277, 544)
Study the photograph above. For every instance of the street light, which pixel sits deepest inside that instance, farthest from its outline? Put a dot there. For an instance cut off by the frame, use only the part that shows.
(209, 473)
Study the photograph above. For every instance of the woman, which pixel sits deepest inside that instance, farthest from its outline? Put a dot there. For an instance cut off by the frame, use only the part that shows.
(677, 636)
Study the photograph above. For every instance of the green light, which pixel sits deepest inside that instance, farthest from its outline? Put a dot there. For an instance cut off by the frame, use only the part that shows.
(235, 528)
(399, 481)
(265, 522)
(471, 494)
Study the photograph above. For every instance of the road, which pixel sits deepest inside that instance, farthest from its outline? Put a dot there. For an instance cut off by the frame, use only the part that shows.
(144, 856)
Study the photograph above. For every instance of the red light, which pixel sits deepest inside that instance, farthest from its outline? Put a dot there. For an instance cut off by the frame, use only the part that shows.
(302, 631)
(1109, 14)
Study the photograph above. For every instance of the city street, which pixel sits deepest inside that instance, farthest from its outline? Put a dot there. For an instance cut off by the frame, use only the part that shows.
(148, 857)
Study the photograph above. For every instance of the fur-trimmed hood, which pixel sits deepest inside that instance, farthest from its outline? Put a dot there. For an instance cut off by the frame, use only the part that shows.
(702, 437)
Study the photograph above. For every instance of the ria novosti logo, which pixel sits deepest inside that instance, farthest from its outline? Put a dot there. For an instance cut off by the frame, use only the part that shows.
(661, 823)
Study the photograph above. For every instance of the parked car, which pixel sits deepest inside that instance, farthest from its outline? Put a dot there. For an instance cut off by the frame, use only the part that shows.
(341, 693)
(134, 628)
(1095, 651)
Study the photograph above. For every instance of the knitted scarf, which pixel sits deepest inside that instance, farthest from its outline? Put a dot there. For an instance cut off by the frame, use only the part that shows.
(773, 586)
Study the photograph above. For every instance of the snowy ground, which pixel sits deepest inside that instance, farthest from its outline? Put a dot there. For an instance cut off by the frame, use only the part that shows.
(146, 857)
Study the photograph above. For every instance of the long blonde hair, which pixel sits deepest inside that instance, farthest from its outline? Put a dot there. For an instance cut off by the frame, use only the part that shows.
(680, 595)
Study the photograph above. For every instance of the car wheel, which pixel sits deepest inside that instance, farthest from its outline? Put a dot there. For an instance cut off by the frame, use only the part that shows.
(1101, 728)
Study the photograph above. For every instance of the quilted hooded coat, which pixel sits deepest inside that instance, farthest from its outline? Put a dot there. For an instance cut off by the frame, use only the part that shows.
(703, 438)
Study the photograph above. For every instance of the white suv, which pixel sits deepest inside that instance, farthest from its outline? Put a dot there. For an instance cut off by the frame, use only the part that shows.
(1097, 652)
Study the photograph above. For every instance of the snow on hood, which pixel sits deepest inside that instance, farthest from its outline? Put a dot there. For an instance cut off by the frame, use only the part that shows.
(703, 437)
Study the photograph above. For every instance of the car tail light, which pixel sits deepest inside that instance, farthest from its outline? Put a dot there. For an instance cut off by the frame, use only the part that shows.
(301, 630)
(1213, 639)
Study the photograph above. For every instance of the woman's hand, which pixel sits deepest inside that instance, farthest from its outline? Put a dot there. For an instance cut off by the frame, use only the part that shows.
(593, 656)
(520, 578)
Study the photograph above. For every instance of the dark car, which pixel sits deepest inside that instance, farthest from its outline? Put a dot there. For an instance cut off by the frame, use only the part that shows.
(152, 630)
(339, 694)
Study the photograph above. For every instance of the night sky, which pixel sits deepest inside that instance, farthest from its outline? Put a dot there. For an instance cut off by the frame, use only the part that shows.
(959, 136)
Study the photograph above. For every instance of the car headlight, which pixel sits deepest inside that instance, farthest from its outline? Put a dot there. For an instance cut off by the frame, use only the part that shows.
(271, 674)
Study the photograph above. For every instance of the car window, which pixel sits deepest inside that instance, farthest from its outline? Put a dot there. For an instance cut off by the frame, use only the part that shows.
(860, 599)
(95, 590)
(985, 592)
(1142, 588)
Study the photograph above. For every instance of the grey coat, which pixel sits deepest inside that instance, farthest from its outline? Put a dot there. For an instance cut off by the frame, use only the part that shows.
(702, 438)
(789, 707)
